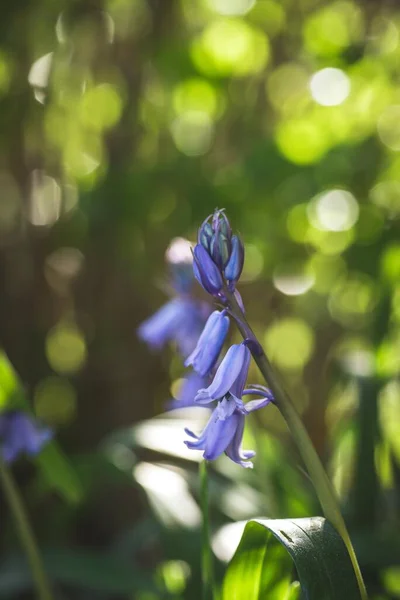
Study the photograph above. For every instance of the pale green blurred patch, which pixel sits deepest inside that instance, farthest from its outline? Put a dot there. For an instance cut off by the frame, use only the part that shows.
(289, 343)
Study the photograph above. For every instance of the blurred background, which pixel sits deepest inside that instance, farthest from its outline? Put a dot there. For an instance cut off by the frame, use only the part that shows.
(123, 124)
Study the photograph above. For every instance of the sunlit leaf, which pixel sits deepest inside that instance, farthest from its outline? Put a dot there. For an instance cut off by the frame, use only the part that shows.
(269, 549)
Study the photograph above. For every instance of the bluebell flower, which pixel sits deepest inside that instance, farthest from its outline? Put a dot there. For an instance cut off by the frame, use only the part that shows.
(188, 390)
(230, 377)
(209, 345)
(181, 320)
(20, 433)
(224, 430)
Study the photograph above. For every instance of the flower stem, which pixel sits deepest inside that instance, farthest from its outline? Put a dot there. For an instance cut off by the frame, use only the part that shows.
(323, 487)
(43, 591)
(206, 552)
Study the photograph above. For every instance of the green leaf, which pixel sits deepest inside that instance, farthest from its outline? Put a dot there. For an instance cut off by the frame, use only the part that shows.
(269, 549)
(59, 472)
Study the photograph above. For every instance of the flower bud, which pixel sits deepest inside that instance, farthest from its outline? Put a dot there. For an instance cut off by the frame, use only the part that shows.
(234, 266)
(220, 249)
(206, 271)
(205, 235)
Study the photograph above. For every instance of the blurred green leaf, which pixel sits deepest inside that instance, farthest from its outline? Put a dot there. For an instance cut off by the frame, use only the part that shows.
(268, 551)
(60, 473)
(85, 569)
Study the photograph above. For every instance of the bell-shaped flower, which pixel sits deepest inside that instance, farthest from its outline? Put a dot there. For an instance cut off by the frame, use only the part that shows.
(20, 433)
(224, 430)
(181, 320)
(230, 377)
(209, 345)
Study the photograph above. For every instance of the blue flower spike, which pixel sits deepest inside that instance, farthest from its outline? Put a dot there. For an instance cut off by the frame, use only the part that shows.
(20, 433)
(209, 345)
(224, 430)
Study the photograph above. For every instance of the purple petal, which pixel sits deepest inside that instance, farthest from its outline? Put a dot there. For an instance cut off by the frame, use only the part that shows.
(234, 267)
(207, 272)
(240, 382)
(229, 370)
(256, 404)
(210, 343)
(234, 451)
(200, 442)
(203, 397)
(225, 408)
(220, 436)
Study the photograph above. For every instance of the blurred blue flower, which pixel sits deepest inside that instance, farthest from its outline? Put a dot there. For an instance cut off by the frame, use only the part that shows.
(179, 259)
(181, 320)
(224, 430)
(230, 377)
(209, 345)
(21, 433)
(188, 390)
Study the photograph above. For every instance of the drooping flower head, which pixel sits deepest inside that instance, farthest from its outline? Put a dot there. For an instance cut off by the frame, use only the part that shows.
(218, 255)
(20, 433)
(224, 430)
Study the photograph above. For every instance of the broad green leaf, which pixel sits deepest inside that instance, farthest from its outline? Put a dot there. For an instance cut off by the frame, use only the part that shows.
(59, 472)
(264, 562)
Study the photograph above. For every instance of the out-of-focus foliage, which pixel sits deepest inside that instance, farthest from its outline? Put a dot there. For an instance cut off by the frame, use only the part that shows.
(123, 123)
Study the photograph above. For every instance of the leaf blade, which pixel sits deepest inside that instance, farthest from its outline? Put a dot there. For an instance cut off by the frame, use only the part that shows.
(270, 548)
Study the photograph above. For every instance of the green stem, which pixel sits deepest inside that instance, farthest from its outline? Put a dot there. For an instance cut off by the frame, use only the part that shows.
(26, 535)
(206, 553)
(323, 487)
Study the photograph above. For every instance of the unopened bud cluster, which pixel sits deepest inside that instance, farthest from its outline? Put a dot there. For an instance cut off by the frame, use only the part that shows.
(218, 255)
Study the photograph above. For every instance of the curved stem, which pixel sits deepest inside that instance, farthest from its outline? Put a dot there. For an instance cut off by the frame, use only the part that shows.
(323, 487)
(206, 552)
(43, 591)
